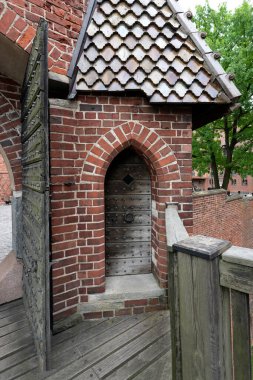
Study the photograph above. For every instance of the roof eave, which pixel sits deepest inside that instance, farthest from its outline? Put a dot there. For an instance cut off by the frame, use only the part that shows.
(203, 114)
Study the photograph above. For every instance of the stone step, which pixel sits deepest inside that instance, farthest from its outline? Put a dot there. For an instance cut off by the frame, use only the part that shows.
(126, 294)
(129, 287)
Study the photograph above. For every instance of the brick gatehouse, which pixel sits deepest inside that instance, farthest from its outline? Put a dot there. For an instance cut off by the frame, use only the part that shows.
(123, 104)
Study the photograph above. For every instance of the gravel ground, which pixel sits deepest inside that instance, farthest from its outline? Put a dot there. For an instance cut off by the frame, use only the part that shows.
(5, 231)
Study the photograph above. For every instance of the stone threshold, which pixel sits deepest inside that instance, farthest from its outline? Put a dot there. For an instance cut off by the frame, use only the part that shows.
(125, 295)
(129, 287)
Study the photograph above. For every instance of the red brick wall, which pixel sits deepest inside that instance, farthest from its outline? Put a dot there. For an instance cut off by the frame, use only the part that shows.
(229, 218)
(10, 126)
(85, 137)
(5, 183)
(19, 19)
(247, 214)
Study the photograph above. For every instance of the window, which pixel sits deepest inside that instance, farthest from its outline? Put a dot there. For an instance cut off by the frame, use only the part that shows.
(244, 182)
(233, 181)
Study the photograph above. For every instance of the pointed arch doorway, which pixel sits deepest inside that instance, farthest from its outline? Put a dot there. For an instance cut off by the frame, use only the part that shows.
(128, 216)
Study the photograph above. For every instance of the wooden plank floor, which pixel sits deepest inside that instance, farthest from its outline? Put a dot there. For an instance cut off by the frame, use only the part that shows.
(136, 347)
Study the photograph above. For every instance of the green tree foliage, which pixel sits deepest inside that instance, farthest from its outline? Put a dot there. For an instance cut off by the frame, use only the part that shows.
(231, 34)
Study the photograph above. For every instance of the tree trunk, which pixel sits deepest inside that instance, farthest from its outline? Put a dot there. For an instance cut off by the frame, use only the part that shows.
(229, 152)
(228, 168)
(215, 171)
(226, 178)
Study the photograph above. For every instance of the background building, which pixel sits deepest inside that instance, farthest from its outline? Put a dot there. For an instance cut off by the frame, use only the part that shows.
(237, 184)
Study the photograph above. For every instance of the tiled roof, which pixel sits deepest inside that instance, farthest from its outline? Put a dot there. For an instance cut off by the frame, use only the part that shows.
(152, 46)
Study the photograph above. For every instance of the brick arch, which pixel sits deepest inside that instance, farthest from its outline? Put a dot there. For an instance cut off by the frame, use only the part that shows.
(164, 170)
(19, 24)
(10, 138)
(16, 28)
(145, 140)
(22, 32)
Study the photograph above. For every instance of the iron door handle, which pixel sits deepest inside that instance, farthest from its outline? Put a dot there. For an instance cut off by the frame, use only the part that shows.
(129, 217)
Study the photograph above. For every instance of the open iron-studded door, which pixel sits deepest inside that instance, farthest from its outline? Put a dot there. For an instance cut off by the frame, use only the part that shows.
(35, 196)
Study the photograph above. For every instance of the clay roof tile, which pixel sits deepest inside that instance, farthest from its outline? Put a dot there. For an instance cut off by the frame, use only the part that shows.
(148, 45)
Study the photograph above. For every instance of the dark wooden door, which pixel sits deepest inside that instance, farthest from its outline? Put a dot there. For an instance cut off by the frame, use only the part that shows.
(128, 216)
(35, 198)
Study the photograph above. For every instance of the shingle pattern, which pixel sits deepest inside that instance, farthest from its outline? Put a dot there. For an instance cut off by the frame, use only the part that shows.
(141, 45)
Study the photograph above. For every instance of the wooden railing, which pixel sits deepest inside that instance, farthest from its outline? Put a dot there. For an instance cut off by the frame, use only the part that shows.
(210, 283)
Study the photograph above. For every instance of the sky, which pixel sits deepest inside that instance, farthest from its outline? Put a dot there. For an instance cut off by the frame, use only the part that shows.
(190, 4)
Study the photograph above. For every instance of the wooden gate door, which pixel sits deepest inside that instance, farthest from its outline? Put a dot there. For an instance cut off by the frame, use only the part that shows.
(128, 216)
(35, 196)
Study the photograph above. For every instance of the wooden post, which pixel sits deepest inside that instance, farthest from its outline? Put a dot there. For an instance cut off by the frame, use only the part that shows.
(175, 231)
(236, 277)
(241, 335)
(196, 310)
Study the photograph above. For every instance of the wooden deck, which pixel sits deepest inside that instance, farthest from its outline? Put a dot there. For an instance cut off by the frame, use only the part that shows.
(136, 347)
